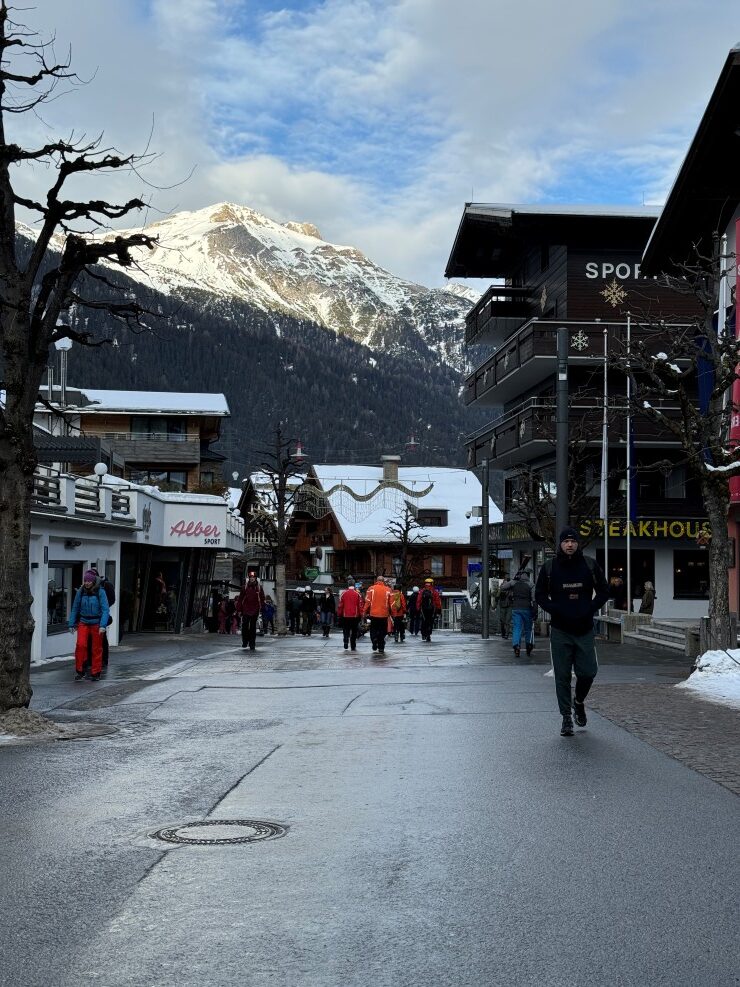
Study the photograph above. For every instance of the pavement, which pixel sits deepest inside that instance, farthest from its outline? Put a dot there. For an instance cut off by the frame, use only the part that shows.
(436, 827)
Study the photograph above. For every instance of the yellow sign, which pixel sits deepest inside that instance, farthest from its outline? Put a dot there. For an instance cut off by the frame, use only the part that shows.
(649, 528)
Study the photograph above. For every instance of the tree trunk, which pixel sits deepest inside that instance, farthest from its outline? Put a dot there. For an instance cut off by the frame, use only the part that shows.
(716, 502)
(280, 622)
(16, 622)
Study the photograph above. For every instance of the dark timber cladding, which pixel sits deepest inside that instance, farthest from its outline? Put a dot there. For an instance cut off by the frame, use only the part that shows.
(706, 191)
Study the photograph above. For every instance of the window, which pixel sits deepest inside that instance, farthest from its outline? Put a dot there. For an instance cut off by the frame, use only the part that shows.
(691, 574)
(432, 519)
(64, 580)
(158, 428)
(675, 483)
(438, 565)
(207, 478)
(174, 478)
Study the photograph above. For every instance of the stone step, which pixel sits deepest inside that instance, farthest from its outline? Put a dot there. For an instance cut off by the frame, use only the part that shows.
(659, 632)
(671, 645)
(667, 625)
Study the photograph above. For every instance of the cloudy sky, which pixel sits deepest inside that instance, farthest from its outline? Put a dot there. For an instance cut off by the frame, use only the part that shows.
(378, 119)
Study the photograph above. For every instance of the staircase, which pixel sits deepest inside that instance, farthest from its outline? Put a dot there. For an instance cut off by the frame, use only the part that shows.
(667, 633)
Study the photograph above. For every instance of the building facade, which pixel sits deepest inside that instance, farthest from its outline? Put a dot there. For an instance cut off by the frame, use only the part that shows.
(578, 270)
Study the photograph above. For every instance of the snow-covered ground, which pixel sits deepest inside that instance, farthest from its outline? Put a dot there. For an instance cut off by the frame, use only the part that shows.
(717, 677)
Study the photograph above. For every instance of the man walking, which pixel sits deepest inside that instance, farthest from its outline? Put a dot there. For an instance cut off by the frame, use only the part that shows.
(398, 613)
(249, 604)
(504, 606)
(522, 604)
(414, 615)
(349, 612)
(428, 604)
(571, 588)
(378, 606)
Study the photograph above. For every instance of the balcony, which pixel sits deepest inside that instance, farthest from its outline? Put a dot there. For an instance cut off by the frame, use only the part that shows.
(528, 431)
(155, 448)
(500, 311)
(529, 356)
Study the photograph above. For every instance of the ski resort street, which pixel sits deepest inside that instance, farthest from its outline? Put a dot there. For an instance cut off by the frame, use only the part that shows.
(434, 827)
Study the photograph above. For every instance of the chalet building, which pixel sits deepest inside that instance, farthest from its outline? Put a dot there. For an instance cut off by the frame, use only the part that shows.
(578, 268)
(165, 439)
(346, 529)
(704, 200)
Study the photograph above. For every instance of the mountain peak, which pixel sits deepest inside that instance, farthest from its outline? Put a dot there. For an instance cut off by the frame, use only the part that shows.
(307, 229)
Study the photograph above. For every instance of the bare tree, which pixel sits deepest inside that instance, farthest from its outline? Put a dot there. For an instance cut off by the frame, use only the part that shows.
(281, 468)
(682, 379)
(406, 531)
(38, 283)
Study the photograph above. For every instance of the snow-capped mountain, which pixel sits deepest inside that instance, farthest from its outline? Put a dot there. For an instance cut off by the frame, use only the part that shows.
(234, 252)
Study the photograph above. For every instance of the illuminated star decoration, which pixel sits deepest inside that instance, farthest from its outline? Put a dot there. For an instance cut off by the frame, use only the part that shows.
(614, 293)
(579, 341)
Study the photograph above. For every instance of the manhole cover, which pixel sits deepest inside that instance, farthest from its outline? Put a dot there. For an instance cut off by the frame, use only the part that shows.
(218, 832)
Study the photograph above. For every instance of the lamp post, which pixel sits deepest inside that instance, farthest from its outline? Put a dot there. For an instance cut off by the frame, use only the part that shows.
(100, 469)
(63, 346)
(562, 510)
(484, 584)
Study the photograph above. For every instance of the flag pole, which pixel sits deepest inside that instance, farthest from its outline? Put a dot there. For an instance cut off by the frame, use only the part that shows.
(629, 469)
(605, 457)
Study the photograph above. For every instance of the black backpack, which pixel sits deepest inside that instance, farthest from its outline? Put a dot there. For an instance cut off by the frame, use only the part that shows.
(427, 601)
(109, 590)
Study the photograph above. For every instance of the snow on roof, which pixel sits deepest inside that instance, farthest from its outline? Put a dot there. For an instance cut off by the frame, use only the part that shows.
(156, 402)
(454, 490)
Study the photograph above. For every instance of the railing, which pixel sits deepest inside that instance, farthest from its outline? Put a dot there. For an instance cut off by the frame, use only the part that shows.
(46, 488)
(87, 497)
(121, 503)
(149, 437)
(501, 307)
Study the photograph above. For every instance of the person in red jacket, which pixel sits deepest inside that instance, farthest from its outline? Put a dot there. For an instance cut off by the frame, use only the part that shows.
(349, 612)
(398, 613)
(378, 606)
(249, 604)
(428, 605)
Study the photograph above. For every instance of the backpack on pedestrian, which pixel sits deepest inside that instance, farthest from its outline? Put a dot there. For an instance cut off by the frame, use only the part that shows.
(427, 602)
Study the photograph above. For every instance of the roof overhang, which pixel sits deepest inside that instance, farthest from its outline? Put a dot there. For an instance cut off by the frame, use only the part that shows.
(706, 191)
(491, 236)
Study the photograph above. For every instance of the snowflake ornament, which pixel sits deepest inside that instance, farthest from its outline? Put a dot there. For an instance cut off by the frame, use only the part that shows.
(614, 293)
(579, 341)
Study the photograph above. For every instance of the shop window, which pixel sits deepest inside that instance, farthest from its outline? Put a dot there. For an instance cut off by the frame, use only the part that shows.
(691, 574)
(437, 566)
(64, 580)
(675, 483)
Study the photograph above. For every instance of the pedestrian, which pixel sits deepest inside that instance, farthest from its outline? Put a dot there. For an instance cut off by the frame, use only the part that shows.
(378, 607)
(89, 617)
(349, 611)
(110, 595)
(268, 615)
(414, 615)
(328, 609)
(223, 615)
(295, 609)
(505, 600)
(522, 606)
(618, 592)
(428, 605)
(571, 588)
(648, 598)
(398, 613)
(249, 604)
(308, 611)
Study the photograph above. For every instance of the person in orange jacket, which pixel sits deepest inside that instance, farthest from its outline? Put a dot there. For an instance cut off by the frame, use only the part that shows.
(349, 612)
(398, 613)
(428, 604)
(378, 606)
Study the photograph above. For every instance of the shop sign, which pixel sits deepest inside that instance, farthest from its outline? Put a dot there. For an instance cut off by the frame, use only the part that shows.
(196, 526)
(645, 528)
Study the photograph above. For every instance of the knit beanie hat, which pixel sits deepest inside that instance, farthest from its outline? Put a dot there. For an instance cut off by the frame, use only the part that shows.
(89, 577)
(568, 532)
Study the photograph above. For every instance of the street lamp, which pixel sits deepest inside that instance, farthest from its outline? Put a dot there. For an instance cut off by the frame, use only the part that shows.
(100, 469)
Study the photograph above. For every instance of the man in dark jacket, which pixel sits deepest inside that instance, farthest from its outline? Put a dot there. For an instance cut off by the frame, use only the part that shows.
(522, 604)
(249, 604)
(571, 588)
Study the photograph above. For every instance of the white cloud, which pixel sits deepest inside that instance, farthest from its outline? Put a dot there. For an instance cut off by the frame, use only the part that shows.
(377, 119)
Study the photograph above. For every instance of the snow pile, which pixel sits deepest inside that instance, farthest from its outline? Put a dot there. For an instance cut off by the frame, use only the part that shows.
(28, 726)
(716, 677)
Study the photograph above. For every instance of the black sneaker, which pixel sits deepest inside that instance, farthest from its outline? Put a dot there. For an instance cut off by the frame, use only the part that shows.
(566, 729)
(579, 713)
(79, 676)
(530, 649)
(517, 651)
(346, 646)
(95, 678)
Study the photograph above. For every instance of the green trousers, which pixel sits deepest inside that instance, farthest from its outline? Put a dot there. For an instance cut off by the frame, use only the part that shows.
(572, 652)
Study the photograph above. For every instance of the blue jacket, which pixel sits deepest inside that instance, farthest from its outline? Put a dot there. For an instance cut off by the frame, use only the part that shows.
(90, 607)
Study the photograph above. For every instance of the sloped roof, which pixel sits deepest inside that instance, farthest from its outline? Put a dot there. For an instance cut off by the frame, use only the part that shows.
(155, 402)
(453, 490)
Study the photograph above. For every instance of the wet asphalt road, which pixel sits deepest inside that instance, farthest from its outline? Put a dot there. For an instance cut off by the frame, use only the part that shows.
(440, 831)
